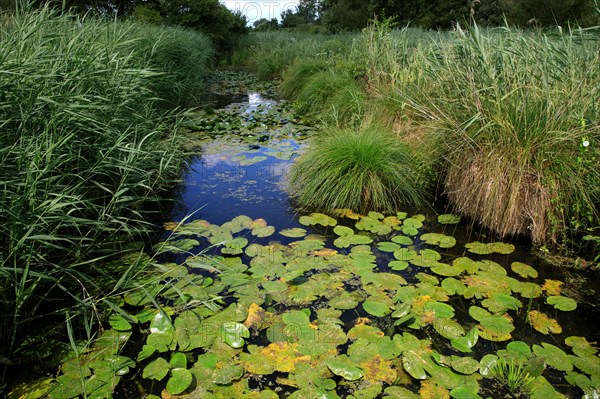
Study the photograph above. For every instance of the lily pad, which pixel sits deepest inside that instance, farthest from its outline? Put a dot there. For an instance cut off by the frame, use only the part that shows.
(157, 369)
(233, 334)
(343, 231)
(441, 240)
(263, 231)
(180, 380)
(448, 219)
(562, 303)
(523, 270)
(375, 308)
(293, 233)
(344, 368)
(402, 240)
(464, 365)
(543, 323)
(464, 344)
(388, 246)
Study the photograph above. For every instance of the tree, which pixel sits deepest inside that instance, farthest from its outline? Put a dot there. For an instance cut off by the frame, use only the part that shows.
(264, 24)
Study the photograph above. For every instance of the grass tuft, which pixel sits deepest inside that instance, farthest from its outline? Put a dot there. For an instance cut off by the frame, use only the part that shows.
(363, 170)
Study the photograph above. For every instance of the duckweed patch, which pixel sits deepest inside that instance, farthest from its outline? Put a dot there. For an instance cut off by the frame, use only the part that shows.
(294, 313)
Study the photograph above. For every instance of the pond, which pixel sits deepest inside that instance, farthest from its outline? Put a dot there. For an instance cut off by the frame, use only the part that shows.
(260, 300)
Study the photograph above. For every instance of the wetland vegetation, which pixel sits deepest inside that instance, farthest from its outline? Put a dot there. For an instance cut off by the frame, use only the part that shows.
(368, 235)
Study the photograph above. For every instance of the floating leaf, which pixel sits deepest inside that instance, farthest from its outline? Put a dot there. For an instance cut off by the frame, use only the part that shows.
(252, 160)
(441, 310)
(487, 365)
(414, 364)
(543, 323)
(464, 365)
(234, 333)
(119, 323)
(293, 233)
(441, 240)
(448, 219)
(180, 380)
(375, 308)
(398, 265)
(161, 323)
(489, 248)
(343, 231)
(464, 393)
(388, 246)
(402, 240)
(523, 270)
(157, 369)
(553, 356)
(227, 374)
(562, 303)
(178, 360)
(264, 231)
(344, 368)
(464, 344)
(552, 287)
(448, 328)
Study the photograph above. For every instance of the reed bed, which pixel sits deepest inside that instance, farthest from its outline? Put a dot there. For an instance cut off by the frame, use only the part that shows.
(87, 150)
(508, 119)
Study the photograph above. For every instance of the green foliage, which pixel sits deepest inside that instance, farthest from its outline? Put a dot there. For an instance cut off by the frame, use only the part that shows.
(85, 153)
(363, 170)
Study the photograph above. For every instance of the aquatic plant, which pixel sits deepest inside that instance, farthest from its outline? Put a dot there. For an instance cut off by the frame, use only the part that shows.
(512, 374)
(364, 169)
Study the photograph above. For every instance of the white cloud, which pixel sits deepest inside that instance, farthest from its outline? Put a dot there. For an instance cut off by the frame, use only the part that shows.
(255, 10)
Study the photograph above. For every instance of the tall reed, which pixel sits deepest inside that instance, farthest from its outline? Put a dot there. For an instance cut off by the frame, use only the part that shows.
(86, 148)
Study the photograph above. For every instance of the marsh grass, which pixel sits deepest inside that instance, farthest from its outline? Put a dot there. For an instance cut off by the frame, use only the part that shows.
(363, 170)
(511, 107)
(86, 151)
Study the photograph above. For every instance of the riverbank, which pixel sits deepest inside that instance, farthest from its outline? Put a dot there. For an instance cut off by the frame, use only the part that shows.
(502, 121)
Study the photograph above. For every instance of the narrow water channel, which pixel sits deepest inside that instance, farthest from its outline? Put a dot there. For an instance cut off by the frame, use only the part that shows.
(399, 297)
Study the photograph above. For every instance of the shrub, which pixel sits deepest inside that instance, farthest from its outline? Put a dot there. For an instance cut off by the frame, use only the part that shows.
(363, 170)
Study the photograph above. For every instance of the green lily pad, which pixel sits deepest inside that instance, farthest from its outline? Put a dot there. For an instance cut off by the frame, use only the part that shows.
(178, 360)
(553, 356)
(464, 365)
(464, 344)
(441, 240)
(293, 233)
(464, 393)
(441, 310)
(234, 333)
(402, 240)
(562, 303)
(344, 368)
(398, 265)
(405, 254)
(388, 246)
(343, 231)
(119, 323)
(448, 219)
(180, 380)
(448, 328)
(377, 309)
(157, 369)
(487, 365)
(227, 374)
(489, 248)
(523, 270)
(263, 231)
(161, 324)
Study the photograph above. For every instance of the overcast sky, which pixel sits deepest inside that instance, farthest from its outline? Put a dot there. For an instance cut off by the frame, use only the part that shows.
(255, 10)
